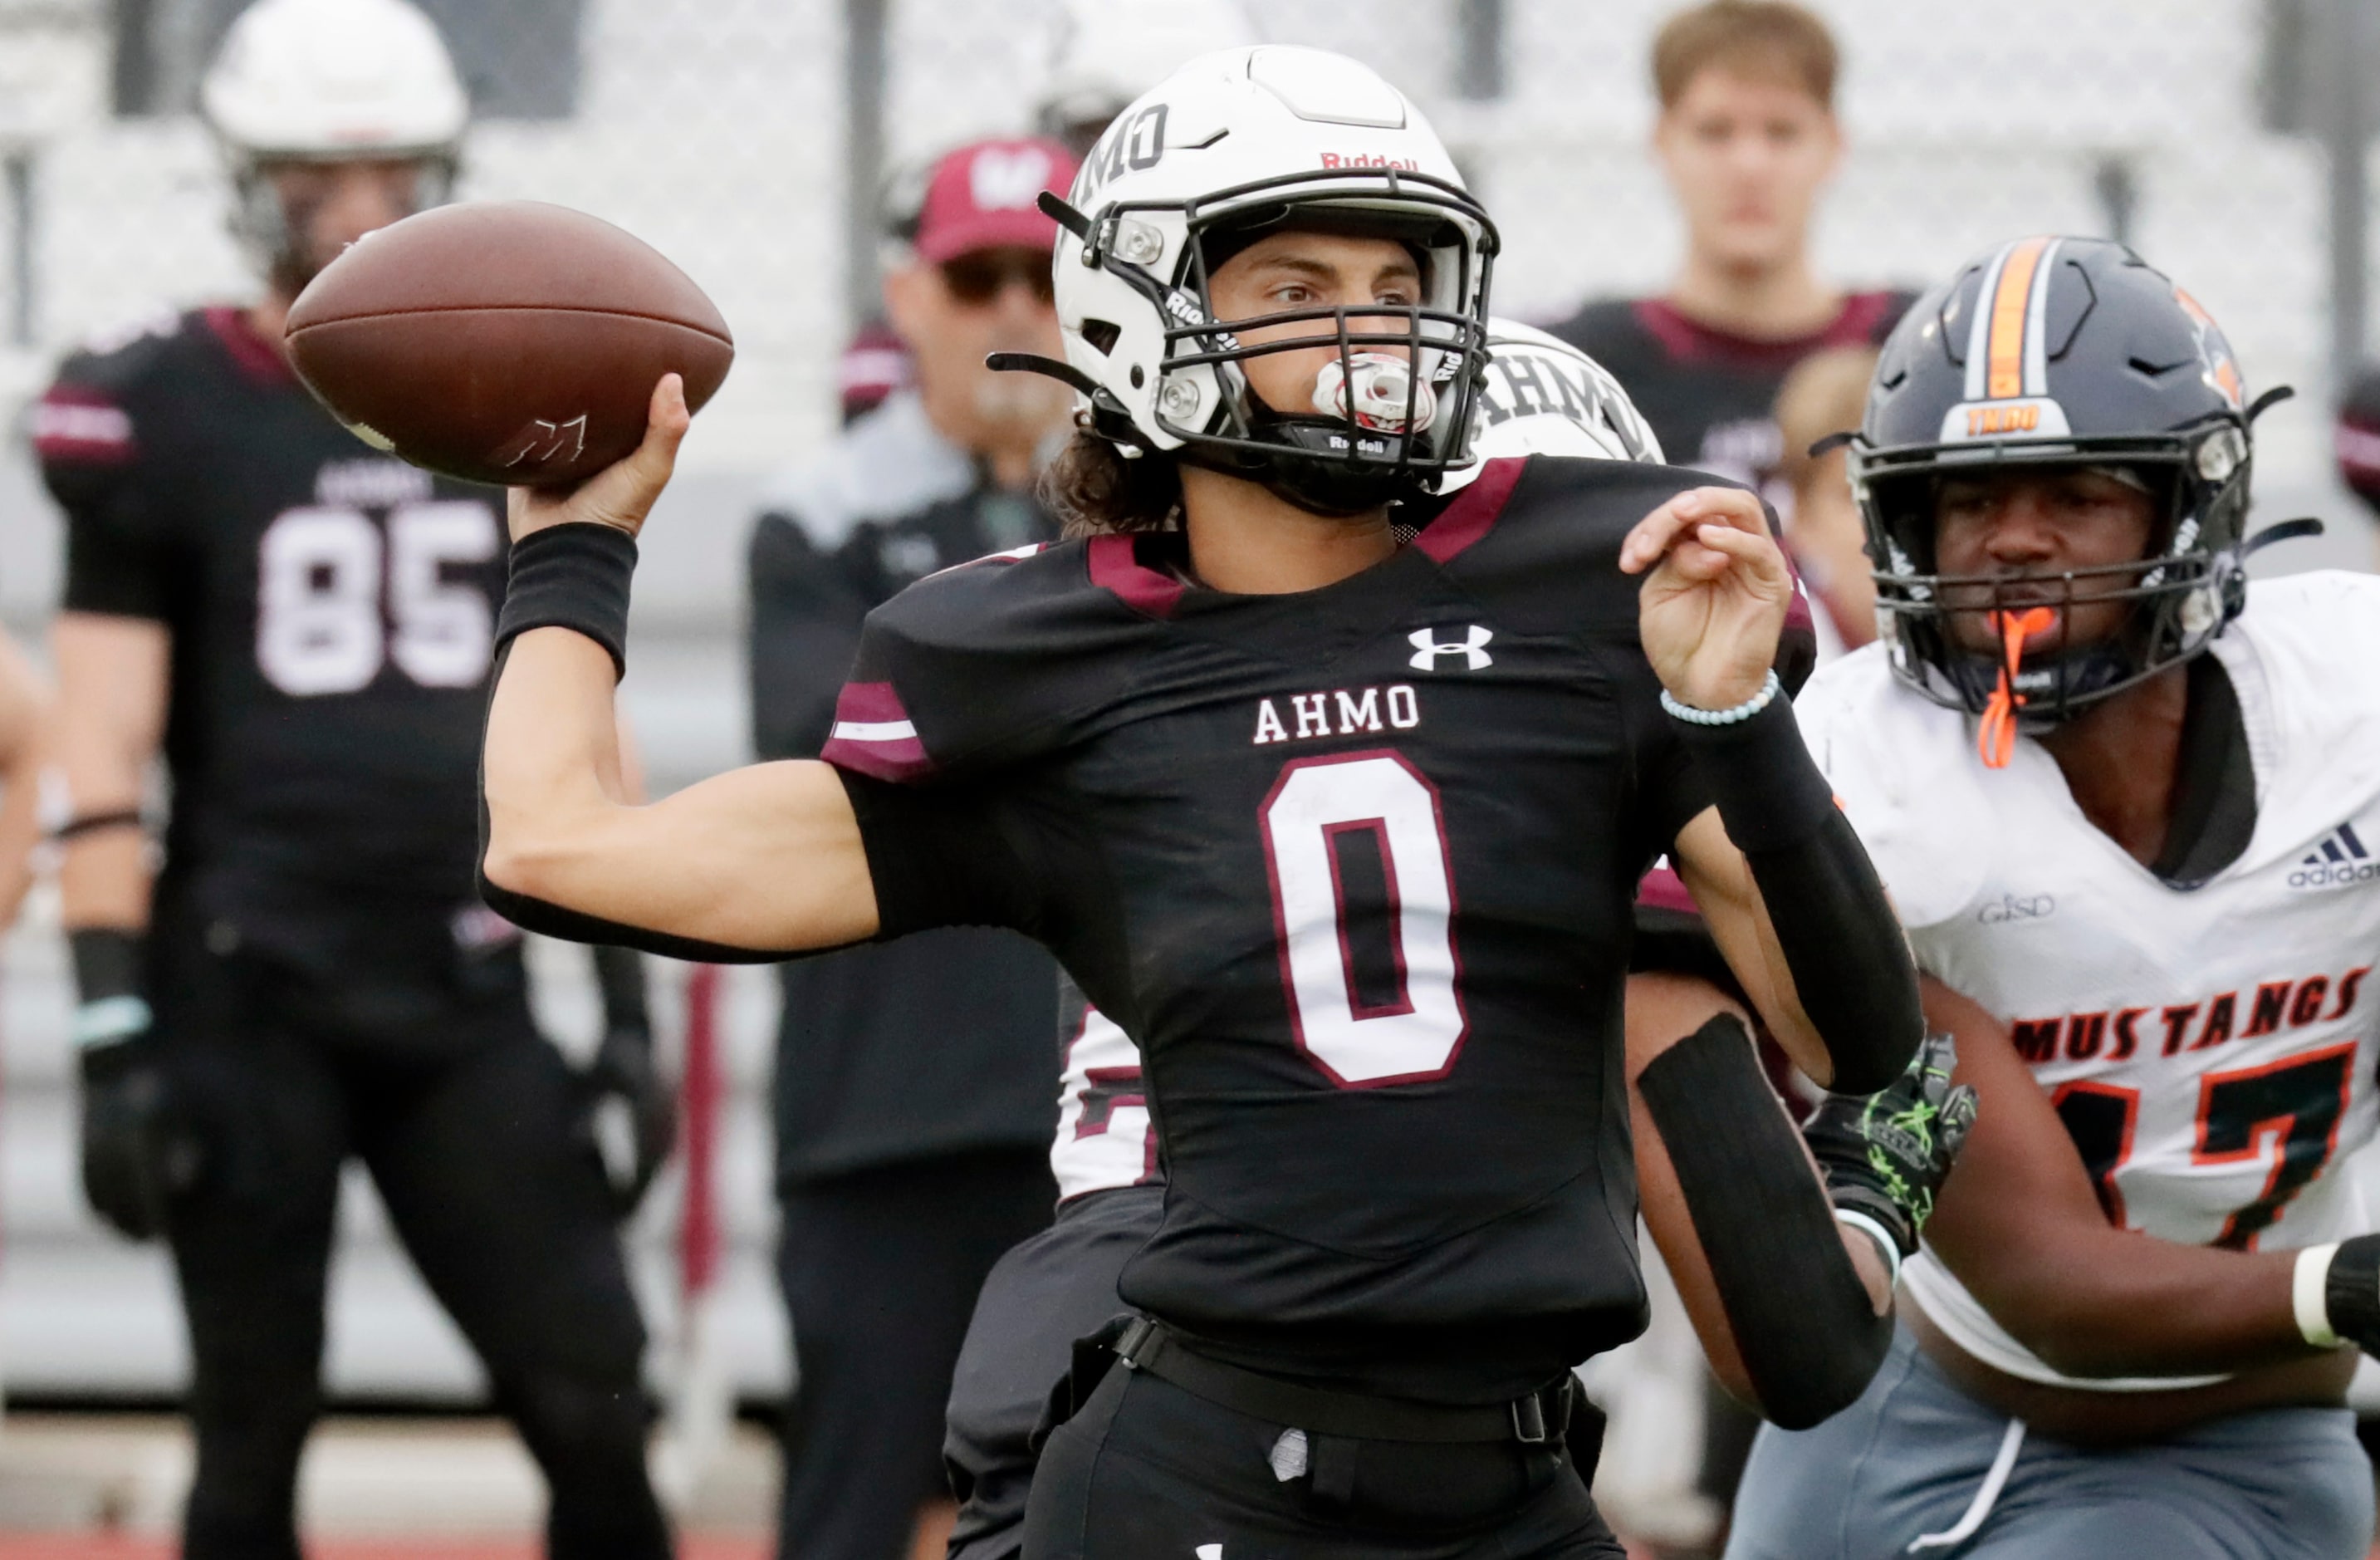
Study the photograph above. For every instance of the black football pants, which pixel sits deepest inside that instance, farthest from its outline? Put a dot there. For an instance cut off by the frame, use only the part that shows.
(1047, 1291)
(881, 1270)
(466, 1126)
(1147, 1469)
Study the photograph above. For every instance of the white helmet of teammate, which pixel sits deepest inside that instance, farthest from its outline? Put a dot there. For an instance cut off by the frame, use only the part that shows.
(1239, 143)
(330, 80)
(1109, 52)
(1544, 397)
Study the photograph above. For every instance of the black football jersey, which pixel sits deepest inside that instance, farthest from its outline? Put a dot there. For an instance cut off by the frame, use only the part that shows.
(1711, 396)
(1354, 867)
(331, 611)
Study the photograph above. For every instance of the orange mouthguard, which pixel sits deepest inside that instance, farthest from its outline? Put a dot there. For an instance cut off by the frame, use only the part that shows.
(1996, 737)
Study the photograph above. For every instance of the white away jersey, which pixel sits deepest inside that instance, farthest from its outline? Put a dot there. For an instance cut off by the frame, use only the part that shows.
(2212, 1052)
(1105, 1137)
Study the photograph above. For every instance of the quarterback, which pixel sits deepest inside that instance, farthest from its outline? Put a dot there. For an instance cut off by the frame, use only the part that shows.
(1338, 817)
(2121, 798)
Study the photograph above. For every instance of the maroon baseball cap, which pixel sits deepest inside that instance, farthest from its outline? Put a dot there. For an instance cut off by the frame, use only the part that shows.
(981, 197)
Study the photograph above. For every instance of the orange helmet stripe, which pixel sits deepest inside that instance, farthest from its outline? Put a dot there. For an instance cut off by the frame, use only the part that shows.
(2004, 378)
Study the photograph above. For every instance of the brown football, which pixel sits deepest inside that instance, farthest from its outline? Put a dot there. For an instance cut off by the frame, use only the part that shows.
(504, 341)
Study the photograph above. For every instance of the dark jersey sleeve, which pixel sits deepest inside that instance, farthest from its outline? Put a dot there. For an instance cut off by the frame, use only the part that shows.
(98, 460)
(966, 690)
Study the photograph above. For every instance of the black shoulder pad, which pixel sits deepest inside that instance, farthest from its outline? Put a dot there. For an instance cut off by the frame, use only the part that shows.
(992, 663)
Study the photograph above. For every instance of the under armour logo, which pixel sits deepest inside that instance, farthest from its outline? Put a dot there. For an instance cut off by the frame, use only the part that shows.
(1472, 647)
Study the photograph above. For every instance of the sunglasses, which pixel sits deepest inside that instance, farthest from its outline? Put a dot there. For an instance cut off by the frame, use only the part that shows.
(977, 279)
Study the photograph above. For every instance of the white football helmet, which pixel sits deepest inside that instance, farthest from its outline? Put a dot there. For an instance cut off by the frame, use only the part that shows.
(1544, 397)
(1268, 139)
(330, 80)
(1106, 53)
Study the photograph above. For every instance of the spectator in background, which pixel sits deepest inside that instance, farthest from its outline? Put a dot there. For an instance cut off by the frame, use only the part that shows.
(1826, 395)
(2357, 437)
(913, 1098)
(1747, 140)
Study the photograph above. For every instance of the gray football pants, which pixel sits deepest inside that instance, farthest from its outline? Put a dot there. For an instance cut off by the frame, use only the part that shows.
(1909, 1461)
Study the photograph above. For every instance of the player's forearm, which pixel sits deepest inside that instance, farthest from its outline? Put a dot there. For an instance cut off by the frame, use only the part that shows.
(1759, 1250)
(2110, 1302)
(1805, 922)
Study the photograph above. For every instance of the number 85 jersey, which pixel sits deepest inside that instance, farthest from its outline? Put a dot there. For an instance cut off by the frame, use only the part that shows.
(1354, 867)
(330, 610)
(2207, 1032)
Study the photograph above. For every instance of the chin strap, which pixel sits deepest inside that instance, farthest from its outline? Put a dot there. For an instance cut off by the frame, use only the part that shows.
(1995, 736)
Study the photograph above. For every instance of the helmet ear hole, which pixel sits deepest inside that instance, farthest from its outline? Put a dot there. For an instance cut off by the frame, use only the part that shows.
(1102, 336)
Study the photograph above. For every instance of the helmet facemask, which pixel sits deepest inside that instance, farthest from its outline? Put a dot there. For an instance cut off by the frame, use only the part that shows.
(1389, 412)
(274, 236)
(2177, 596)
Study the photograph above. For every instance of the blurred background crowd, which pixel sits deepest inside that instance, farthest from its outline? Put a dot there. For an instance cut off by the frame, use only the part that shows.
(851, 181)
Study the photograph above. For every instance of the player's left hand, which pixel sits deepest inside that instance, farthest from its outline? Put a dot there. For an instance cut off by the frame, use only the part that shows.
(1715, 598)
(629, 1119)
(1885, 1154)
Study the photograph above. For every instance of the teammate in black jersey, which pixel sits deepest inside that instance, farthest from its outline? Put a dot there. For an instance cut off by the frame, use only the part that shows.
(1747, 140)
(304, 626)
(1340, 823)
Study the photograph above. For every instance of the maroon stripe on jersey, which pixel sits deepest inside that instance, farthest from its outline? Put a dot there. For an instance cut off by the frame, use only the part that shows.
(1857, 323)
(873, 734)
(1474, 512)
(258, 358)
(1115, 566)
(1663, 889)
(79, 425)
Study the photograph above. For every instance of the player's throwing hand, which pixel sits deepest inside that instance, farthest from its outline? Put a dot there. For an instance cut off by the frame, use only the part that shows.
(1716, 597)
(621, 494)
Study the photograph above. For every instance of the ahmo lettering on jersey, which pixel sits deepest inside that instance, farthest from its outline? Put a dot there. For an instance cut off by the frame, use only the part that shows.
(2116, 1034)
(1337, 711)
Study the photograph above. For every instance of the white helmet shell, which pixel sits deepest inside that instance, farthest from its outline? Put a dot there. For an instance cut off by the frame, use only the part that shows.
(327, 79)
(1545, 397)
(1246, 137)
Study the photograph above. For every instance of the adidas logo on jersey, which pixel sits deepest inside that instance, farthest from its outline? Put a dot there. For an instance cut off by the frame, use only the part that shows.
(2340, 859)
(1472, 647)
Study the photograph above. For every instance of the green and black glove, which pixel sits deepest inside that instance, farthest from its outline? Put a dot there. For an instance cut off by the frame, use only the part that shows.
(1885, 1155)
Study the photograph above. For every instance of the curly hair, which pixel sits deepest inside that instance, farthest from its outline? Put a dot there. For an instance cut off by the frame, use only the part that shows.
(1095, 490)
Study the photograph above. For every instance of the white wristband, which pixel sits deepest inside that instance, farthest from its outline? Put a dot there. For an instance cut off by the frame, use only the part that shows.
(2306, 1285)
(1681, 710)
(1885, 1244)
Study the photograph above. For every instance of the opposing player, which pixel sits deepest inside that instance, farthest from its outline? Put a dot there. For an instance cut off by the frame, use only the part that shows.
(1343, 827)
(2120, 795)
(305, 626)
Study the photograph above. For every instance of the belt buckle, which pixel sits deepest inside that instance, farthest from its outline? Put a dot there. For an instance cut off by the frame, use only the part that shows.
(1528, 1419)
(1136, 1338)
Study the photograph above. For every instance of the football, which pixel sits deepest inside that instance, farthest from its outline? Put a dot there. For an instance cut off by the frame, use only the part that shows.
(507, 341)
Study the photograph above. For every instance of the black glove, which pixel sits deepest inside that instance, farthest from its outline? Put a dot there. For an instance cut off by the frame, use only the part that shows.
(138, 1152)
(629, 1118)
(1885, 1154)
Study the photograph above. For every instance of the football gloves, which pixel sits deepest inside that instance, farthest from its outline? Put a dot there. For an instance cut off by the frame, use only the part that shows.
(1885, 1155)
(139, 1152)
(630, 1116)
(2350, 1296)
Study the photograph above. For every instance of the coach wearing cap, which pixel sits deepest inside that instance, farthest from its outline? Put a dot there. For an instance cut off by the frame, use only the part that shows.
(915, 1081)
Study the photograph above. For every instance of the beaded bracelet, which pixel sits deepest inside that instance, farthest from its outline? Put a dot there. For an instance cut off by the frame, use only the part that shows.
(1744, 712)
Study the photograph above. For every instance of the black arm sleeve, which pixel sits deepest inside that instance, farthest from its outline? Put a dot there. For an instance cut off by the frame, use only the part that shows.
(1803, 1323)
(1849, 962)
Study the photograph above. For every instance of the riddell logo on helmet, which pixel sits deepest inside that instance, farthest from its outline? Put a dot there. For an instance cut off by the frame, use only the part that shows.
(1369, 160)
